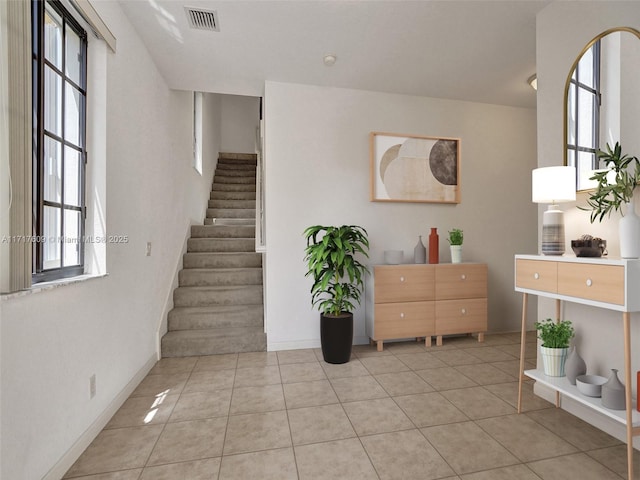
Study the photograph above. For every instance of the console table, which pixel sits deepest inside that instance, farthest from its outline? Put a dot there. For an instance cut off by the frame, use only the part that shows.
(599, 282)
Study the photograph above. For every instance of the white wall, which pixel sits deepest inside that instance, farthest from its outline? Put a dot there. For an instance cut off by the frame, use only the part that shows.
(240, 117)
(563, 29)
(317, 172)
(52, 341)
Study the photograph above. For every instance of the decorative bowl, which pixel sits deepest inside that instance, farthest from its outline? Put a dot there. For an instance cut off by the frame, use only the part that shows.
(589, 248)
(590, 385)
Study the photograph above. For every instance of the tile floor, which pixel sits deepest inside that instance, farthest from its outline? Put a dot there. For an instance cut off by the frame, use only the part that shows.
(408, 412)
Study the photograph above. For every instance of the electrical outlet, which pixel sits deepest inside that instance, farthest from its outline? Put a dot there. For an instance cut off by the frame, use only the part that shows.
(148, 249)
(92, 386)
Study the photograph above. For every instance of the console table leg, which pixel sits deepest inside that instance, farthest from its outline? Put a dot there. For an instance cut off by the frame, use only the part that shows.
(439, 341)
(379, 345)
(480, 336)
(427, 341)
(523, 340)
(626, 318)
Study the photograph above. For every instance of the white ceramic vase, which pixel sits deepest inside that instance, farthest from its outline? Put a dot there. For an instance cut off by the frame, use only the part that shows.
(456, 253)
(629, 230)
(553, 360)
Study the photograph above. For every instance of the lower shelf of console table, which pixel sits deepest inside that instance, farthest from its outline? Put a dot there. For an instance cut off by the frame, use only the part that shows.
(564, 387)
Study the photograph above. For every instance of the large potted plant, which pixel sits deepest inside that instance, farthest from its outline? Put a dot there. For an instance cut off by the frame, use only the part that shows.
(338, 279)
(615, 186)
(555, 337)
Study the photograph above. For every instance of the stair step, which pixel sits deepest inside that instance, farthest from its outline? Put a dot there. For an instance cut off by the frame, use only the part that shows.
(194, 277)
(218, 178)
(233, 187)
(223, 231)
(221, 245)
(232, 171)
(246, 204)
(222, 260)
(238, 157)
(227, 295)
(231, 213)
(187, 343)
(193, 318)
(224, 195)
(230, 221)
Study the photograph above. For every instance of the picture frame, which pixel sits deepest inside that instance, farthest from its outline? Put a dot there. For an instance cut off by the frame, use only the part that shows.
(414, 168)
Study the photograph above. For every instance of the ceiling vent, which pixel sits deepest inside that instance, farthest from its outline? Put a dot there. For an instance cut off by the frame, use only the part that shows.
(203, 19)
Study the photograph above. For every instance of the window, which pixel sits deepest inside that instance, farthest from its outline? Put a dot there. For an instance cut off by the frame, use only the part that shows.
(583, 116)
(197, 131)
(59, 146)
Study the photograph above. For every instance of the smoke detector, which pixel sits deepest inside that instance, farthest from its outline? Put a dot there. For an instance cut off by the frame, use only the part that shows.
(202, 19)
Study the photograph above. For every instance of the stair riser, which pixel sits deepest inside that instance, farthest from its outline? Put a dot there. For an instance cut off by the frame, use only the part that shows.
(230, 221)
(233, 196)
(202, 297)
(221, 245)
(233, 187)
(222, 260)
(223, 231)
(245, 204)
(238, 158)
(194, 277)
(244, 316)
(231, 212)
(195, 347)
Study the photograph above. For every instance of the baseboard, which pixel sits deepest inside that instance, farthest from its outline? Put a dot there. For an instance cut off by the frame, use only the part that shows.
(300, 344)
(68, 459)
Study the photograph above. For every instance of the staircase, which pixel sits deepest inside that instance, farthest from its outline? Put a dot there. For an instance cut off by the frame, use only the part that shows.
(218, 303)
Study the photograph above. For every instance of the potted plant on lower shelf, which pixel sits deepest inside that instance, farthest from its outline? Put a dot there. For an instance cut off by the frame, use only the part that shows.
(338, 280)
(555, 337)
(455, 240)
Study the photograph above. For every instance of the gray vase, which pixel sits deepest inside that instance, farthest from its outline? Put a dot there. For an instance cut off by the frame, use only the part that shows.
(420, 252)
(613, 394)
(574, 366)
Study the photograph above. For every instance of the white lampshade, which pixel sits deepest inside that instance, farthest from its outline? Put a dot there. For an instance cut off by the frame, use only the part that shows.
(553, 184)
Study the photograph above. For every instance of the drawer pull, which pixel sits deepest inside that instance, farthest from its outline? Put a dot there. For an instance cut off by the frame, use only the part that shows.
(589, 282)
(402, 279)
(401, 315)
(463, 311)
(463, 276)
(536, 275)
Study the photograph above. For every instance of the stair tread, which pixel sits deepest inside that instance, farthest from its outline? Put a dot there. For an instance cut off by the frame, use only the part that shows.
(214, 332)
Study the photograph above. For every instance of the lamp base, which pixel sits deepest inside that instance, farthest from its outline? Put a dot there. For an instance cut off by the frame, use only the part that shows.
(553, 231)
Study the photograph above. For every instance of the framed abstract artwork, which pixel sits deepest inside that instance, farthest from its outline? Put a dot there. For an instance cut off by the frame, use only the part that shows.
(413, 168)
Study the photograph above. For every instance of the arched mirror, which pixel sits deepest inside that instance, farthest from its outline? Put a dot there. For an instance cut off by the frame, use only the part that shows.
(602, 101)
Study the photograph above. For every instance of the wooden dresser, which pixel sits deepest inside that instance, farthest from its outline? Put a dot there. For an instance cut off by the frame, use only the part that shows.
(407, 301)
(600, 282)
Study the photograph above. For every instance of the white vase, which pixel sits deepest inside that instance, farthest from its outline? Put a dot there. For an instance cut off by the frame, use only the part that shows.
(553, 360)
(629, 230)
(456, 253)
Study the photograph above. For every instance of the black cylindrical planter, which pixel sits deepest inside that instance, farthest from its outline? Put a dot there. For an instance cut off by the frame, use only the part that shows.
(336, 336)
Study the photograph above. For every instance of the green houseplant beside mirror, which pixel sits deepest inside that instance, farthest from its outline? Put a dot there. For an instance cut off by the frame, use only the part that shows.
(338, 280)
(615, 186)
(555, 337)
(456, 238)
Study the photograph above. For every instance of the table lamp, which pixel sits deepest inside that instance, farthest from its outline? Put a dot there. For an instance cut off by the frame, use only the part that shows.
(553, 185)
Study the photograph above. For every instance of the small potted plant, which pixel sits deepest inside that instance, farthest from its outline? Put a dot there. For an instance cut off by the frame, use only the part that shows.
(338, 279)
(615, 186)
(455, 240)
(555, 337)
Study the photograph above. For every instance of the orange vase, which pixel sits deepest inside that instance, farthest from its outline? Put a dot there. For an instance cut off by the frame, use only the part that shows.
(434, 247)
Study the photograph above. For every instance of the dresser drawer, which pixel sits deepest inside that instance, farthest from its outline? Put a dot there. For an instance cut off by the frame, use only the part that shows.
(403, 320)
(461, 316)
(601, 283)
(404, 283)
(461, 281)
(537, 275)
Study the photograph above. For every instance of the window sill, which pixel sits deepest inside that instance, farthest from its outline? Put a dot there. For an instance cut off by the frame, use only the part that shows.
(45, 286)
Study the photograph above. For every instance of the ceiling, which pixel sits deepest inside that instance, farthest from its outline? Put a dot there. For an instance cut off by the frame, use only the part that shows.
(477, 50)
